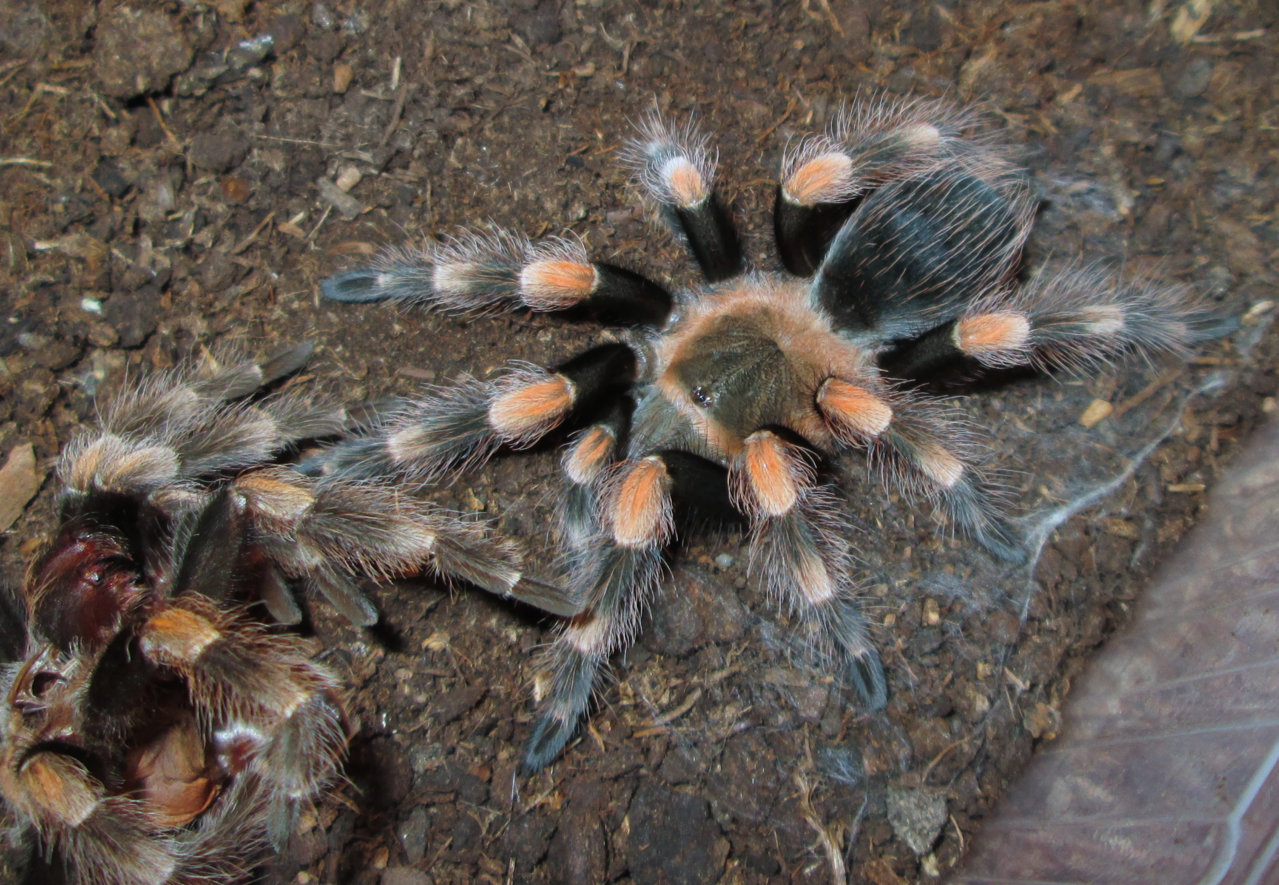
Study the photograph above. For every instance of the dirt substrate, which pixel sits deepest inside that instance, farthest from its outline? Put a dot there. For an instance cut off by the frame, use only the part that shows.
(177, 176)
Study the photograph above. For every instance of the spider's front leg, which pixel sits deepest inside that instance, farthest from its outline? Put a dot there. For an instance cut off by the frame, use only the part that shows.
(676, 168)
(875, 142)
(476, 274)
(464, 424)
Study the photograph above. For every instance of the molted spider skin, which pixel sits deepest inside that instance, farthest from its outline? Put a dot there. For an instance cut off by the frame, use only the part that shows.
(902, 228)
(154, 729)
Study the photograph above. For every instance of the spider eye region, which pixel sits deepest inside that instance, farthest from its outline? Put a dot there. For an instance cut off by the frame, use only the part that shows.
(83, 587)
(736, 376)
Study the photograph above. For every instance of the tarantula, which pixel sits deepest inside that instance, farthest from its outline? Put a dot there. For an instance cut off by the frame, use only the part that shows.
(157, 730)
(901, 232)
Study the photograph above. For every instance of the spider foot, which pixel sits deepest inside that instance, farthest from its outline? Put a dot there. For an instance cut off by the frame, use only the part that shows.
(550, 736)
(866, 671)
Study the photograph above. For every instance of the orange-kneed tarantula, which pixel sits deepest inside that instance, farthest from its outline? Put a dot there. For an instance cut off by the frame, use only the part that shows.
(901, 231)
(157, 730)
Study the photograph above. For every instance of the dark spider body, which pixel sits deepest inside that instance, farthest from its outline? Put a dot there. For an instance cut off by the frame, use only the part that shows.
(156, 729)
(901, 231)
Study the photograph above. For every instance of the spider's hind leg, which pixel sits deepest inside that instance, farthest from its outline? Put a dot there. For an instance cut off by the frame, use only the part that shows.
(1066, 320)
(799, 541)
(918, 446)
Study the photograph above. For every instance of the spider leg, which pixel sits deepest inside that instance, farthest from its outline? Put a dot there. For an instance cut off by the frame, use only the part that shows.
(245, 377)
(677, 171)
(917, 447)
(180, 426)
(823, 177)
(74, 814)
(477, 274)
(330, 529)
(994, 338)
(465, 424)
(283, 716)
(612, 575)
(799, 542)
(586, 460)
(1072, 320)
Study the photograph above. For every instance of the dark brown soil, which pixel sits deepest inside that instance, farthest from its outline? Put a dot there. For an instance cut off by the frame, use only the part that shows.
(168, 180)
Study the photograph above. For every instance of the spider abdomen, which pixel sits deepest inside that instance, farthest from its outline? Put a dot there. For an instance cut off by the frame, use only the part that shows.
(916, 252)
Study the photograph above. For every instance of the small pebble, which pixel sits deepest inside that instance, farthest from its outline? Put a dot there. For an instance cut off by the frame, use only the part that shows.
(412, 835)
(348, 177)
(917, 815)
(348, 206)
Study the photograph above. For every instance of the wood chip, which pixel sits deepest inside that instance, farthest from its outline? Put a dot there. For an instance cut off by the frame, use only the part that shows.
(1189, 18)
(19, 482)
(1121, 528)
(343, 74)
(932, 613)
(1132, 82)
(1098, 410)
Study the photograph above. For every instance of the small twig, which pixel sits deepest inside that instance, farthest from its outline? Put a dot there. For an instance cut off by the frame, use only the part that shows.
(401, 96)
(790, 109)
(248, 241)
(164, 127)
(23, 161)
(9, 70)
(1022, 687)
(323, 218)
(310, 141)
(928, 769)
(1144, 394)
(959, 833)
(102, 105)
(671, 715)
(830, 14)
(829, 840)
